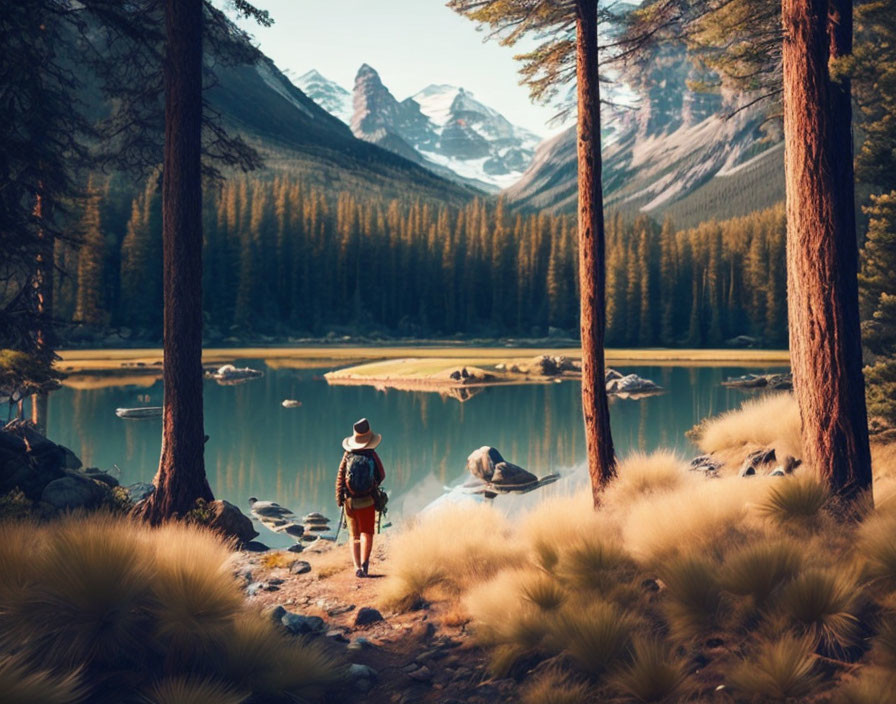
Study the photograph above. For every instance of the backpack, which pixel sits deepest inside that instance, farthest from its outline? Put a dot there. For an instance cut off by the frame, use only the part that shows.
(360, 474)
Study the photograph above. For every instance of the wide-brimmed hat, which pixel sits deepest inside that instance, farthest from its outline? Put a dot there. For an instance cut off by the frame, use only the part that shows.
(363, 438)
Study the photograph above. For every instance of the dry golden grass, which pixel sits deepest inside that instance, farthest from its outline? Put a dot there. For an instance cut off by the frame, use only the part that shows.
(780, 670)
(824, 604)
(127, 602)
(184, 690)
(557, 522)
(641, 474)
(873, 686)
(701, 515)
(278, 559)
(596, 634)
(555, 687)
(694, 602)
(452, 547)
(796, 499)
(22, 683)
(655, 674)
(877, 547)
(759, 568)
(772, 420)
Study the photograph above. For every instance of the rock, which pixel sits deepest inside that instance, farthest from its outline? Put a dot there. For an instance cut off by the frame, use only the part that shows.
(300, 625)
(295, 530)
(509, 474)
(340, 609)
(276, 613)
(546, 365)
(481, 463)
(778, 472)
(229, 374)
(367, 615)
(358, 671)
(256, 546)
(70, 459)
(298, 547)
(791, 463)
(73, 492)
(139, 491)
(315, 517)
(705, 463)
(268, 509)
(316, 527)
(632, 384)
(758, 381)
(500, 367)
(755, 460)
(359, 644)
(228, 520)
(254, 588)
(290, 403)
(515, 369)
(337, 636)
(455, 375)
(299, 567)
(421, 674)
(100, 476)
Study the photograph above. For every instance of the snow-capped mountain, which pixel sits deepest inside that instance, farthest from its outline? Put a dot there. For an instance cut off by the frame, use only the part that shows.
(332, 97)
(692, 156)
(442, 127)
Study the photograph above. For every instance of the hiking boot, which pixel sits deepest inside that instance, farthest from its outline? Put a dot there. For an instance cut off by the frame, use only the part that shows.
(365, 567)
(359, 572)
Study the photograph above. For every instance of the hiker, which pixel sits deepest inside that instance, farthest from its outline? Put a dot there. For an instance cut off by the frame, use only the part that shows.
(360, 474)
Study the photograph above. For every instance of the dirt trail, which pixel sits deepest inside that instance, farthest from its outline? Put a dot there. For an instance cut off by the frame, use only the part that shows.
(425, 655)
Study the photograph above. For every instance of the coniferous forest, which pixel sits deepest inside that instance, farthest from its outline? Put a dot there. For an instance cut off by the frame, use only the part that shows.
(284, 257)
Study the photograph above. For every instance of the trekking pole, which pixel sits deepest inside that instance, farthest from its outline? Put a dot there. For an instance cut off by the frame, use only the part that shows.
(341, 521)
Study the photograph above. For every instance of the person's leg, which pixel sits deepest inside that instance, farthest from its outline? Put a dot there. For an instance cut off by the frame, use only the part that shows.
(366, 548)
(356, 552)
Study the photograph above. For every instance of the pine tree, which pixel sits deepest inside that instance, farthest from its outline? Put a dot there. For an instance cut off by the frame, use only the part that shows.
(90, 307)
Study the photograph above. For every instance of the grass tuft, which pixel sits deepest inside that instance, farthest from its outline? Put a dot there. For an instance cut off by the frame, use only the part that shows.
(597, 635)
(182, 690)
(694, 603)
(554, 687)
(797, 499)
(873, 686)
(259, 658)
(21, 684)
(780, 670)
(653, 675)
(772, 420)
(878, 549)
(824, 603)
(453, 547)
(758, 569)
(595, 563)
(543, 591)
(641, 474)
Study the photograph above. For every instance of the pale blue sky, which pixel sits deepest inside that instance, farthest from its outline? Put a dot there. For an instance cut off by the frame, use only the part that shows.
(411, 43)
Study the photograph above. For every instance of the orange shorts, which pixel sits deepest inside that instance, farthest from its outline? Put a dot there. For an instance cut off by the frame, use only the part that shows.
(360, 520)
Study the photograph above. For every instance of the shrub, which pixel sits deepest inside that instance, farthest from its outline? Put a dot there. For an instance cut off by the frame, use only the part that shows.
(543, 591)
(182, 690)
(798, 499)
(596, 634)
(779, 670)
(503, 616)
(558, 522)
(824, 603)
(20, 684)
(758, 569)
(653, 675)
(595, 563)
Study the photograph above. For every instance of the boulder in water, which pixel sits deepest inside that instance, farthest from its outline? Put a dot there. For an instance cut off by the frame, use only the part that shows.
(632, 384)
(488, 465)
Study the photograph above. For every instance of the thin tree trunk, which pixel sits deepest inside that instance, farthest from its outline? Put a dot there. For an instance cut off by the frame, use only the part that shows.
(181, 478)
(822, 252)
(592, 274)
(42, 296)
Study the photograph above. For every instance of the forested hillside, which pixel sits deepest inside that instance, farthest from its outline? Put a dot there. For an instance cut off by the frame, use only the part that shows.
(286, 257)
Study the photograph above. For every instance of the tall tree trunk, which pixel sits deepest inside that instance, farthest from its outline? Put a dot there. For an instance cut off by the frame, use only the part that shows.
(822, 251)
(592, 265)
(181, 478)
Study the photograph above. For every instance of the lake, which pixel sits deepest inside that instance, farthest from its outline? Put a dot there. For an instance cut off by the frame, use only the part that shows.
(258, 448)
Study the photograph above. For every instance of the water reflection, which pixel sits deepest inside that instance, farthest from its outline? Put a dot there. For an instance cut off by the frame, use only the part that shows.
(290, 455)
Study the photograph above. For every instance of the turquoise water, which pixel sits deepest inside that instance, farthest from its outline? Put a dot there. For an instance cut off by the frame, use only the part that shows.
(258, 448)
